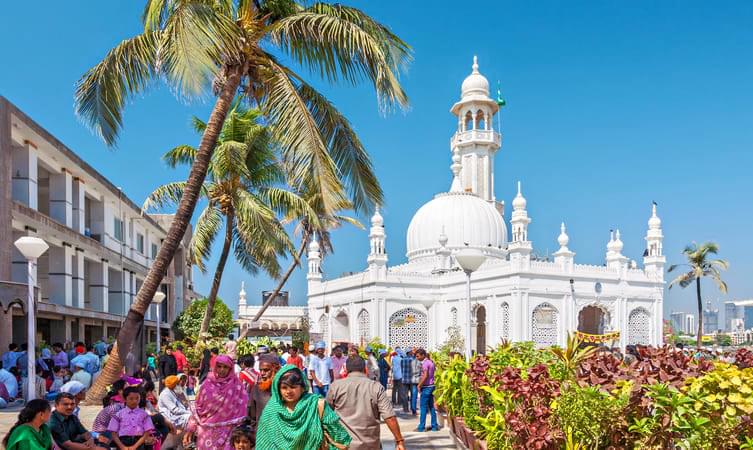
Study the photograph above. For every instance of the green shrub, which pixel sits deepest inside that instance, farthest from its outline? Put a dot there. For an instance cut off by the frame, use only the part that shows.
(188, 322)
(589, 413)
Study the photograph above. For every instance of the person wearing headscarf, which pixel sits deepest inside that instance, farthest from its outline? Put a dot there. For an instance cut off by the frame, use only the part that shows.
(220, 407)
(292, 419)
(77, 390)
(170, 404)
(31, 431)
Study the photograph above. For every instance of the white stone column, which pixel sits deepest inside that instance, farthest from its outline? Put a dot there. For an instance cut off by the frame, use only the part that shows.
(60, 274)
(79, 205)
(99, 286)
(61, 197)
(78, 281)
(24, 175)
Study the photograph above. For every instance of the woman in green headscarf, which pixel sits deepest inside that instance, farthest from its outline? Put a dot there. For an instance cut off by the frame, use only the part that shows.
(31, 431)
(292, 419)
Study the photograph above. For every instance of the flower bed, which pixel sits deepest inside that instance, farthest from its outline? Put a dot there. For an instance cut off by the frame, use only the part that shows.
(518, 397)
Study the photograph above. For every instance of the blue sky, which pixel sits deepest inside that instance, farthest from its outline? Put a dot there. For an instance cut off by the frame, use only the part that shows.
(611, 105)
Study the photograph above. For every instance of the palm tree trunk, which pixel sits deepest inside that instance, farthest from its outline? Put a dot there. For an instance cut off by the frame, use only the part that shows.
(212, 299)
(135, 317)
(283, 280)
(700, 311)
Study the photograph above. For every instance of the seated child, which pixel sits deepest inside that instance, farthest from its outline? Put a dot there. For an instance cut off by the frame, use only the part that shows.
(131, 427)
(241, 438)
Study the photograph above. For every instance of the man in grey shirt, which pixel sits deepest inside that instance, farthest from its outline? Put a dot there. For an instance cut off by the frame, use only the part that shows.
(360, 402)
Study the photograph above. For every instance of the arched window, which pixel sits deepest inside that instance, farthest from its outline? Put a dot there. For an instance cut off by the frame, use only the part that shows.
(409, 328)
(480, 122)
(364, 326)
(453, 317)
(544, 324)
(468, 121)
(324, 326)
(505, 321)
(639, 327)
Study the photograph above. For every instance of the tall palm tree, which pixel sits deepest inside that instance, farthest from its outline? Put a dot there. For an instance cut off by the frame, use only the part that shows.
(242, 192)
(230, 46)
(321, 227)
(700, 265)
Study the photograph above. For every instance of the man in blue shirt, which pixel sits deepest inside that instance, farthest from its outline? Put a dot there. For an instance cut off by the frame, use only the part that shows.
(10, 357)
(89, 360)
(100, 348)
(397, 375)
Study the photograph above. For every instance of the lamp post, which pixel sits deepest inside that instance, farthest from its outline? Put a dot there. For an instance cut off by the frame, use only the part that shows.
(159, 296)
(32, 248)
(469, 259)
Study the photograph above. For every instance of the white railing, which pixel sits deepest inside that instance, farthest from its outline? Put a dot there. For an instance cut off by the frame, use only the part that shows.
(476, 135)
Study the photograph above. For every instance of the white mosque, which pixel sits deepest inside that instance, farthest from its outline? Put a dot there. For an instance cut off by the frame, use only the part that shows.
(514, 295)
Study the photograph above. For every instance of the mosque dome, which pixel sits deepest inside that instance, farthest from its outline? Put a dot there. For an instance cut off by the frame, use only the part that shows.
(460, 217)
(475, 83)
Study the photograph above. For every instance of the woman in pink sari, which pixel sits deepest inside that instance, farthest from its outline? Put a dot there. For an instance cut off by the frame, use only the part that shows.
(220, 407)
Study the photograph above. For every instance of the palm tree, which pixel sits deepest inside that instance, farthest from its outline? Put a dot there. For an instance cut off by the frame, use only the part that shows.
(243, 175)
(320, 227)
(229, 46)
(700, 265)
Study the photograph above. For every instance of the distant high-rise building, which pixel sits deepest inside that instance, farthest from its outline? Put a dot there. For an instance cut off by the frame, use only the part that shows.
(731, 315)
(710, 319)
(747, 316)
(677, 319)
(689, 323)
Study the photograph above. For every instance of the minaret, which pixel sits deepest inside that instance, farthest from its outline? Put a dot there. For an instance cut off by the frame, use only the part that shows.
(476, 141)
(443, 253)
(564, 256)
(378, 255)
(520, 247)
(315, 259)
(653, 257)
(615, 258)
(242, 300)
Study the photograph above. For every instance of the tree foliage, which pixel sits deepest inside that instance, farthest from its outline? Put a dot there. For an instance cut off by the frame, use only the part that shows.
(188, 323)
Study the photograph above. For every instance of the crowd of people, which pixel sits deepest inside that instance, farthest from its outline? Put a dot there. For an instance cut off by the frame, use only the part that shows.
(278, 398)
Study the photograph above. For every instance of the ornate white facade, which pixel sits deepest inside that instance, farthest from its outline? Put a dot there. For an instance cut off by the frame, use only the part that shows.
(515, 296)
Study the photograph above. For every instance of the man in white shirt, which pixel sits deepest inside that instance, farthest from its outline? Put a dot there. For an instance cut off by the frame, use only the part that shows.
(321, 370)
(81, 375)
(10, 382)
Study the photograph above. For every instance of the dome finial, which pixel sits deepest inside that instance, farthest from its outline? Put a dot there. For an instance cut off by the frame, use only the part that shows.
(563, 239)
(475, 64)
(519, 202)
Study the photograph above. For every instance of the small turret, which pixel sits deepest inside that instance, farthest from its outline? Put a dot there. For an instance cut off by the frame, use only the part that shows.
(314, 259)
(564, 256)
(377, 258)
(653, 256)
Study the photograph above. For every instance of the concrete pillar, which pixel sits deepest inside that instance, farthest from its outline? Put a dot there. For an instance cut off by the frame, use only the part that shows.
(79, 290)
(6, 210)
(68, 329)
(61, 197)
(79, 205)
(60, 275)
(25, 175)
(81, 330)
(99, 286)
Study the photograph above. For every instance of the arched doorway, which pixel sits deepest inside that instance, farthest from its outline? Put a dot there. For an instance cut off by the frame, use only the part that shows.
(409, 327)
(340, 328)
(593, 320)
(480, 324)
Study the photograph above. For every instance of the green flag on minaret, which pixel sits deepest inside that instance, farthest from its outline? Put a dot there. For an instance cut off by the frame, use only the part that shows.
(500, 101)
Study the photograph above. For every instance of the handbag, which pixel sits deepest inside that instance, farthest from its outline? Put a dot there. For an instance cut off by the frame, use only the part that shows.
(327, 439)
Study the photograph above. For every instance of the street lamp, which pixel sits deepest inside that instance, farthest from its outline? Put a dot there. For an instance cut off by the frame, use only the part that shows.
(32, 248)
(158, 298)
(469, 259)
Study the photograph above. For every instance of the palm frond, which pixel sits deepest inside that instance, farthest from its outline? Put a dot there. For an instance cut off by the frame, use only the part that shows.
(304, 149)
(182, 154)
(165, 195)
(102, 91)
(198, 125)
(156, 13)
(207, 227)
(346, 149)
(683, 280)
(341, 43)
(198, 42)
(229, 161)
(287, 203)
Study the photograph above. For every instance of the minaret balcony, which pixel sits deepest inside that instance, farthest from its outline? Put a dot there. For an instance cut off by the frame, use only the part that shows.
(462, 138)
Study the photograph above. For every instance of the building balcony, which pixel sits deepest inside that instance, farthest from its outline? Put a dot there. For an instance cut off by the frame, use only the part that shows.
(462, 138)
(47, 226)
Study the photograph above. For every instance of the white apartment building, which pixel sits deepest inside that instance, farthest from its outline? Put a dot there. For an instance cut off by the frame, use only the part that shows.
(101, 246)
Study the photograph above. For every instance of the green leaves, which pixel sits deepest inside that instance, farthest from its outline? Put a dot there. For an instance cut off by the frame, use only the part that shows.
(188, 322)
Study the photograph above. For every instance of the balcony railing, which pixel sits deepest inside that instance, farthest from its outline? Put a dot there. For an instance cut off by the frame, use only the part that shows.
(462, 137)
